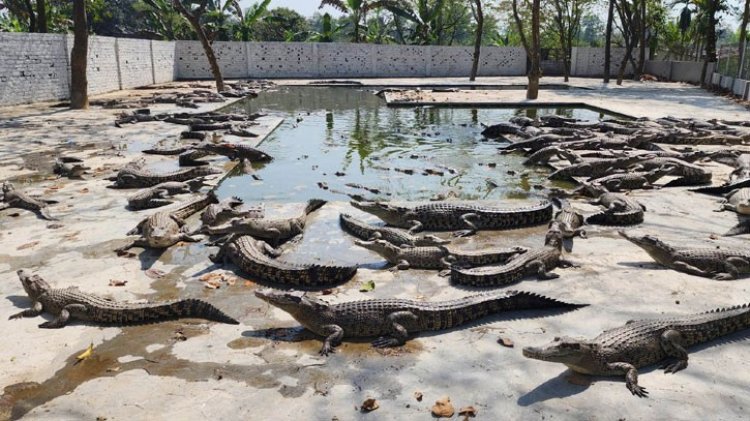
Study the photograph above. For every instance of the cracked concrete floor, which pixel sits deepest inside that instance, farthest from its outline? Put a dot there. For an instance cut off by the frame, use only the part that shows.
(268, 368)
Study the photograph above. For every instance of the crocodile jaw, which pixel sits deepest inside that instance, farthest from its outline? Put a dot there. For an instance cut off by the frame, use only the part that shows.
(569, 351)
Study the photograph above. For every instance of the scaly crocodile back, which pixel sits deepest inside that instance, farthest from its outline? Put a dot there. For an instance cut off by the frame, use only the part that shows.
(512, 271)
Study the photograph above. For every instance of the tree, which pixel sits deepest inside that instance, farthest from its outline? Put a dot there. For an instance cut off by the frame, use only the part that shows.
(79, 98)
(566, 21)
(479, 17)
(193, 16)
(630, 24)
(533, 48)
(608, 41)
(281, 24)
(41, 15)
(161, 20)
(743, 34)
(357, 12)
(244, 29)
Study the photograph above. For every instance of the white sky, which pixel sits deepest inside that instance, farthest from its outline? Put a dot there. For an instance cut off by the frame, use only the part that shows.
(303, 7)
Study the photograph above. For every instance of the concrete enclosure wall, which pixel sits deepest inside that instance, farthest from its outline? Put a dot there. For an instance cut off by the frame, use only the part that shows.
(327, 60)
(36, 67)
(679, 71)
(589, 62)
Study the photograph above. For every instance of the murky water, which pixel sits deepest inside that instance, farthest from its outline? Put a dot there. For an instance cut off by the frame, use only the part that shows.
(335, 141)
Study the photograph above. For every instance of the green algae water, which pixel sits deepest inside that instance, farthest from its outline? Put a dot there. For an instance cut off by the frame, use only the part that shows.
(339, 142)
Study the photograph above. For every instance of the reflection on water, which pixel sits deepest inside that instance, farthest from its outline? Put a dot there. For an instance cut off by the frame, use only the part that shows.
(346, 139)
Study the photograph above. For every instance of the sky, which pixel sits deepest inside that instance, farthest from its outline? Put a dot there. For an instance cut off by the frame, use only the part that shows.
(303, 7)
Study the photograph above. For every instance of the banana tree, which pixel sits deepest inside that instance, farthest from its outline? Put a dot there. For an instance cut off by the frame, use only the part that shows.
(162, 19)
(244, 29)
(424, 15)
(357, 12)
(327, 32)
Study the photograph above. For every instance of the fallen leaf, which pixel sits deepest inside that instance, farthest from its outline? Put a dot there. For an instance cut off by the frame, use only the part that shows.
(327, 291)
(467, 412)
(418, 396)
(155, 273)
(248, 284)
(113, 369)
(506, 342)
(213, 276)
(229, 279)
(443, 408)
(212, 284)
(117, 283)
(713, 237)
(179, 336)
(86, 354)
(124, 253)
(84, 190)
(55, 226)
(71, 235)
(367, 286)
(27, 245)
(369, 405)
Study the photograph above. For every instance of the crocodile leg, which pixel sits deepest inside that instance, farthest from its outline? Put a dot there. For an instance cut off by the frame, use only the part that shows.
(136, 243)
(137, 229)
(416, 226)
(631, 378)
(62, 319)
(333, 339)
(271, 251)
(537, 267)
(732, 272)
(670, 342)
(399, 335)
(401, 265)
(44, 214)
(35, 310)
(187, 238)
(466, 218)
(446, 263)
(687, 268)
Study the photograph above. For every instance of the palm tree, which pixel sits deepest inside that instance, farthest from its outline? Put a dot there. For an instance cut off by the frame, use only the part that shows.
(327, 32)
(243, 31)
(357, 11)
(423, 14)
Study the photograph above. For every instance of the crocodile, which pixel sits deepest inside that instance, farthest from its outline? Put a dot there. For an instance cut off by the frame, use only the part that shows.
(395, 236)
(166, 228)
(620, 209)
(538, 142)
(258, 259)
(498, 130)
(437, 257)
(542, 156)
(742, 227)
(725, 188)
(220, 213)
(446, 216)
(71, 303)
(275, 230)
(737, 201)
(13, 198)
(70, 167)
(153, 197)
(237, 151)
(392, 320)
(632, 180)
(133, 175)
(595, 168)
(567, 220)
(640, 343)
(689, 174)
(719, 264)
(539, 262)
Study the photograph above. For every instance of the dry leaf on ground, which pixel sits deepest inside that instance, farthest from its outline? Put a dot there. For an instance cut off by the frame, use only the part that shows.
(418, 396)
(117, 283)
(369, 405)
(155, 273)
(443, 408)
(506, 342)
(467, 412)
(27, 245)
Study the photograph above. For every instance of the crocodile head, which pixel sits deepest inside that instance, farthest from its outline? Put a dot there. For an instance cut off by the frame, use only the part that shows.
(298, 304)
(657, 249)
(554, 237)
(387, 212)
(7, 187)
(34, 285)
(382, 247)
(578, 354)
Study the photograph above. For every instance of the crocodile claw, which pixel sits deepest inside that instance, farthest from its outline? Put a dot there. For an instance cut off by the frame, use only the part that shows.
(464, 233)
(639, 391)
(674, 367)
(326, 350)
(384, 342)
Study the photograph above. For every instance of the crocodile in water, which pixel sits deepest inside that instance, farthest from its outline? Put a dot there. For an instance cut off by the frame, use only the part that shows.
(70, 303)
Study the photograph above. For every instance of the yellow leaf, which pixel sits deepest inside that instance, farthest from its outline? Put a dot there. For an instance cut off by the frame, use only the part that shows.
(87, 353)
(367, 286)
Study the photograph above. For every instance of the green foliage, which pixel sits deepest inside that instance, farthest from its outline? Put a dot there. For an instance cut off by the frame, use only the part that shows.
(281, 24)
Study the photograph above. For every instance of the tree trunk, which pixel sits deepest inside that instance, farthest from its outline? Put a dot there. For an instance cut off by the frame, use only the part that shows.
(608, 41)
(41, 15)
(743, 35)
(624, 62)
(478, 41)
(710, 40)
(642, 40)
(535, 73)
(79, 98)
(194, 19)
(32, 16)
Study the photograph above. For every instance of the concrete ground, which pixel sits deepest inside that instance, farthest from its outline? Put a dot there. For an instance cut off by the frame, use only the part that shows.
(268, 368)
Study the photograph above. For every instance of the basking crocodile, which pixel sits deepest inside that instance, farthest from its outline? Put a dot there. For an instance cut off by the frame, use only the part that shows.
(640, 343)
(166, 228)
(539, 142)
(633, 180)
(437, 257)
(737, 201)
(391, 320)
(395, 236)
(567, 220)
(542, 156)
(220, 213)
(70, 303)
(66, 166)
(538, 262)
(446, 216)
(719, 264)
(498, 130)
(237, 151)
(689, 174)
(619, 208)
(595, 168)
(275, 230)
(258, 259)
(13, 198)
(154, 197)
(135, 175)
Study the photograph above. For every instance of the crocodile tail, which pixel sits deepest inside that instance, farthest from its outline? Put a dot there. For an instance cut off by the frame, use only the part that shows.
(198, 309)
(522, 300)
(313, 205)
(616, 218)
(739, 229)
(330, 275)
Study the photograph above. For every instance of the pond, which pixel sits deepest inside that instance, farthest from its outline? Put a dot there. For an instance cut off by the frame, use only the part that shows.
(342, 142)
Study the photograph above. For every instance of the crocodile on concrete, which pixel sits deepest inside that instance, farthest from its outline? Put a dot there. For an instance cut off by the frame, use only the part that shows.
(154, 197)
(717, 263)
(633, 180)
(542, 156)
(737, 201)
(13, 198)
(595, 168)
(689, 174)
(392, 320)
(567, 220)
(447, 216)
(66, 166)
(134, 175)
(640, 343)
(275, 230)
(72, 304)
(620, 209)
(236, 151)
(258, 259)
(535, 262)
(438, 257)
(395, 236)
(229, 208)
(166, 228)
